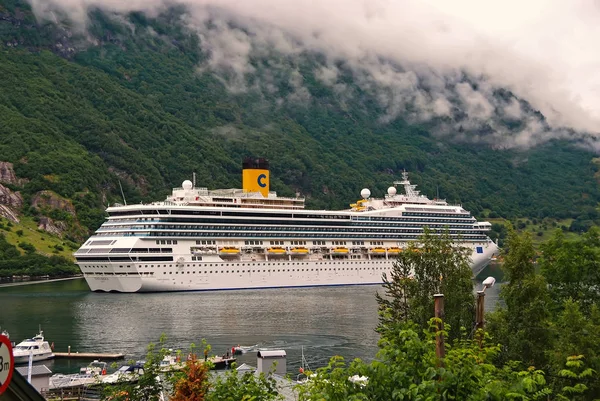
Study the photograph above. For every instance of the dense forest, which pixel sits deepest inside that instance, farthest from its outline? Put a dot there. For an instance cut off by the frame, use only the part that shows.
(126, 101)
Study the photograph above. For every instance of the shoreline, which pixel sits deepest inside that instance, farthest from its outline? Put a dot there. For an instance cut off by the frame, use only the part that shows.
(52, 280)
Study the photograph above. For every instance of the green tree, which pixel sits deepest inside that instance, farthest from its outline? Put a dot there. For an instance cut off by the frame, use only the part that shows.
(577, 334)
(570, 267)
(431, 265)
(246, 386)
(406, 368)
(522, 326)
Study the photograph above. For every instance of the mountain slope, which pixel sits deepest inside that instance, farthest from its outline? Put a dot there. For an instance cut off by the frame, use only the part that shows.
(129, 100)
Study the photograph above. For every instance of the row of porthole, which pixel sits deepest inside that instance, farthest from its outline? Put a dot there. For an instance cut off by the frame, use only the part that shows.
(259, 264)
(278, 270)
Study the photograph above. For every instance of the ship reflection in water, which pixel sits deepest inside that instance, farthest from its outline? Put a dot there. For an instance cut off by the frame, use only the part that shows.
(326, 321)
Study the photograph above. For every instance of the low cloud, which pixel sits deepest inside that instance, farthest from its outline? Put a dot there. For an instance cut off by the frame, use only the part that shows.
(424, 60)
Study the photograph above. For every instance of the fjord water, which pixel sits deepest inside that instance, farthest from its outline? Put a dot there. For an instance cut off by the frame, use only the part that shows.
(325, 321)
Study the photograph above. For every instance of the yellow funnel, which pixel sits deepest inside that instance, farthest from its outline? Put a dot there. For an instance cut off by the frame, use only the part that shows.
(255, 176)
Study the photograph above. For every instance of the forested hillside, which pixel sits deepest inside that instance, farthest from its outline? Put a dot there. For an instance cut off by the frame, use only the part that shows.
(127, 99)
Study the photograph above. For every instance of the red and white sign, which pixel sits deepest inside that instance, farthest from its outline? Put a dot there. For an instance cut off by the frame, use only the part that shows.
(7, 363)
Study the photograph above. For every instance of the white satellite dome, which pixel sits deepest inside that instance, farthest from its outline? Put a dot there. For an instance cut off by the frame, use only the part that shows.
(187, 185)
(365, 193)
(392, 191)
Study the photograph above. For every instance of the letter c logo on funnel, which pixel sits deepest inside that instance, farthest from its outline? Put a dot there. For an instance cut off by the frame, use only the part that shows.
(260, 180)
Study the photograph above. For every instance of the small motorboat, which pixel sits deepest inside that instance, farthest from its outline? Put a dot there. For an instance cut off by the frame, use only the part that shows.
(91, 374)
(241, 349)
(171, 362)
(126, 373)
(36, 348)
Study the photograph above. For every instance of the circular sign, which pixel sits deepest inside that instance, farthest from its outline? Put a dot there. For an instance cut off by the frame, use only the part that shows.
(7, 363)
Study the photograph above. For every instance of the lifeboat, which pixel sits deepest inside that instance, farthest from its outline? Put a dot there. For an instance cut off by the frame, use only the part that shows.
(394, 250)
(359, 206)
(229, 250)
(299, 251)
(276, 251)
(377, 251)
(339, 251)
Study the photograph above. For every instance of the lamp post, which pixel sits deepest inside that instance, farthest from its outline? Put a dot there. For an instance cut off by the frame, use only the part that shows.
(479, 311)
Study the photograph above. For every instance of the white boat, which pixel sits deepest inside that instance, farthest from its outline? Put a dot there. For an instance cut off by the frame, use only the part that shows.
(252, 232)
(171, 361)
(88, 375)
(242, 349)
(126, 373)
(36, 348)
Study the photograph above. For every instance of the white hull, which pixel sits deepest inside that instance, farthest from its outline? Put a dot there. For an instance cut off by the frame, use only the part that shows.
(219, 274)
(23, 359)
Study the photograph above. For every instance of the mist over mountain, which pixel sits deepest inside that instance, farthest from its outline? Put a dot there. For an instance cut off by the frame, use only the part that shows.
(425, 61)
(485, 106)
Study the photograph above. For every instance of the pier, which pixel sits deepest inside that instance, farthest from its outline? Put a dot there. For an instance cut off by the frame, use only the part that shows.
(89, 355)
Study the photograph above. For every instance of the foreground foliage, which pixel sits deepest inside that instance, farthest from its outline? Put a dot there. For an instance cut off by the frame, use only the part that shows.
(552, 316)
(407, 369)
(431, 265)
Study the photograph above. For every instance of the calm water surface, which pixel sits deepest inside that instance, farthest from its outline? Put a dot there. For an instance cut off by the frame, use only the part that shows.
(325, 321)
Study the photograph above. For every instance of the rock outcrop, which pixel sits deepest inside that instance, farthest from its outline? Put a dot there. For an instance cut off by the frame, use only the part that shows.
(45, 200)
(7, 174)
(52, 226)
(10, 204)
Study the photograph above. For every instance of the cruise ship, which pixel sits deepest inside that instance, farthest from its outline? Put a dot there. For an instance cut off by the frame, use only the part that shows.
(200, 239)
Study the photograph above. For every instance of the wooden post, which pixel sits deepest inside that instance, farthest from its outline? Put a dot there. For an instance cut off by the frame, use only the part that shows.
(479, 316)
(439, 338)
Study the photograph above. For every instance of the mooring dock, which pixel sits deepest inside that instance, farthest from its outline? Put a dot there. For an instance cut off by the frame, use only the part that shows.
(89, 355)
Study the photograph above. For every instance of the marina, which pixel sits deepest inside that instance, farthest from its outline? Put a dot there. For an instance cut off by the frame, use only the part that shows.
(324, 321)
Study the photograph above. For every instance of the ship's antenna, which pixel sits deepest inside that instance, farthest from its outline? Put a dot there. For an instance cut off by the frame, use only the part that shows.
(437, 192)
(122, 194)
(193, 179)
